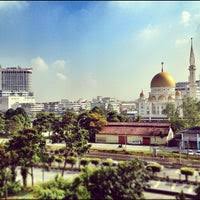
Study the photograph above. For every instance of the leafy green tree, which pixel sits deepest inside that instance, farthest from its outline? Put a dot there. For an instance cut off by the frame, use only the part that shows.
(173, 115)
(67, 130)
(2, 122)
(187, 172)
(27, 146)
(191, 112)
(92, 121)
(44, 122)
(154, 167)
(112, 116)
(126, 180)
(16, 120)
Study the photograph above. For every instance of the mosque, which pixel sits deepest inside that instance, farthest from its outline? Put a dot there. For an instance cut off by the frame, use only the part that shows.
(165, 90)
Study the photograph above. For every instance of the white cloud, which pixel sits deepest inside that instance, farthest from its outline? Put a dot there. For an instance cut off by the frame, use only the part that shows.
(12, 4)
(59, 65)
(180, 42)
(39, 64)
(61, 76)
(149, 32)
(130, 4)
(185, 18)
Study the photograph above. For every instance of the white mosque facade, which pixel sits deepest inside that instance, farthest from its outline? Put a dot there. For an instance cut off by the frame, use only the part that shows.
(164, 90)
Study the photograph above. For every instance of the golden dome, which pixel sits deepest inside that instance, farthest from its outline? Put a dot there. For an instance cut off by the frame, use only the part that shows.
(163, 79)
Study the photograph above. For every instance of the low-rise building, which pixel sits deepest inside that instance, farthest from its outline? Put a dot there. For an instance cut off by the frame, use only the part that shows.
(190, 138)
(136, 133)
(33, 108)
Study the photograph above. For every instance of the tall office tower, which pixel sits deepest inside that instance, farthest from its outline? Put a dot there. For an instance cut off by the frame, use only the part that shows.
(15, 87)
(15, 81)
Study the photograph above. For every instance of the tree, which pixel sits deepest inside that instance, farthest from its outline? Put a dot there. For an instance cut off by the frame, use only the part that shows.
(27, 146)
(67, 130)
(154, 167)
(191, 112)
(173, 114)
(112, 116)
(44, 122)
(16, 120)
(123, 181)
(2, 122)
(92, 121)
(187, 172)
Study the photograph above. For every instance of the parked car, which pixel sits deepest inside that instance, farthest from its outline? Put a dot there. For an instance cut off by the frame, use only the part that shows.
(190, 152)
(197, 153)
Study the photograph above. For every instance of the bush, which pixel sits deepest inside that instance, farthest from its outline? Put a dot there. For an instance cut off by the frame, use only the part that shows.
(187, 172)
(84, 162)
(154, 167)
(95, 161)
(71, 161)
(107, 162)
(12, 188)
(52, 193)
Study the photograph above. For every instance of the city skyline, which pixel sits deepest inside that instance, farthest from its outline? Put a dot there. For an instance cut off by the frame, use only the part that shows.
(89, 49)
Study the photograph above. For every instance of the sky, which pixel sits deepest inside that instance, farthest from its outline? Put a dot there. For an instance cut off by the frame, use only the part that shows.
(84, 49)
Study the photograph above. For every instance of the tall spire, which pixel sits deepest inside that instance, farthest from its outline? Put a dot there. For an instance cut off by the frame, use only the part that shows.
(192, 59)
(162, 66)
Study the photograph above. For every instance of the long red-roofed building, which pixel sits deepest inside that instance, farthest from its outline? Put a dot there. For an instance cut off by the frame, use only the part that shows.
(135, 133)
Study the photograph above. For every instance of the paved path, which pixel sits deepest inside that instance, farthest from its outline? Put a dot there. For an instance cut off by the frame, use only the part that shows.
(48, 175)
(174, 187)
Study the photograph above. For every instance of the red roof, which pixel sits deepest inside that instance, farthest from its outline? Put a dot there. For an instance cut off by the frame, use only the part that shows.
(137, 128)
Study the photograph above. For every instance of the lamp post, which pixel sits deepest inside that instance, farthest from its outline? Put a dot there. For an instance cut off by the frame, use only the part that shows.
(180, 152)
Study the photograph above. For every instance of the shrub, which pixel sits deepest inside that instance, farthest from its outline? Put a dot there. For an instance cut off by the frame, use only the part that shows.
(14, 187)
(59, 160)
(187, 172)
(107, 162)
(95, 161)
(52, 193)
(154, 167)
(71, 161)
(84, 162)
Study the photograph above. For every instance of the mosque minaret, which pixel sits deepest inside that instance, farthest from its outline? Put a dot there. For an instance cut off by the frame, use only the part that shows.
(192, 77)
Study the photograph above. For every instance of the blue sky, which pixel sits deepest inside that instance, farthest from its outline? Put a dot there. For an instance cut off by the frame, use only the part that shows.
(85, 49)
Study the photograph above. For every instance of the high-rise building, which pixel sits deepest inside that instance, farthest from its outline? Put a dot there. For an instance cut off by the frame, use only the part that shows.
(15, 87)
(15, 81)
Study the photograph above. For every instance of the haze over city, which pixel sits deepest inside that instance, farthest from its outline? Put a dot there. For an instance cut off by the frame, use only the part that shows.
(85, 49)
